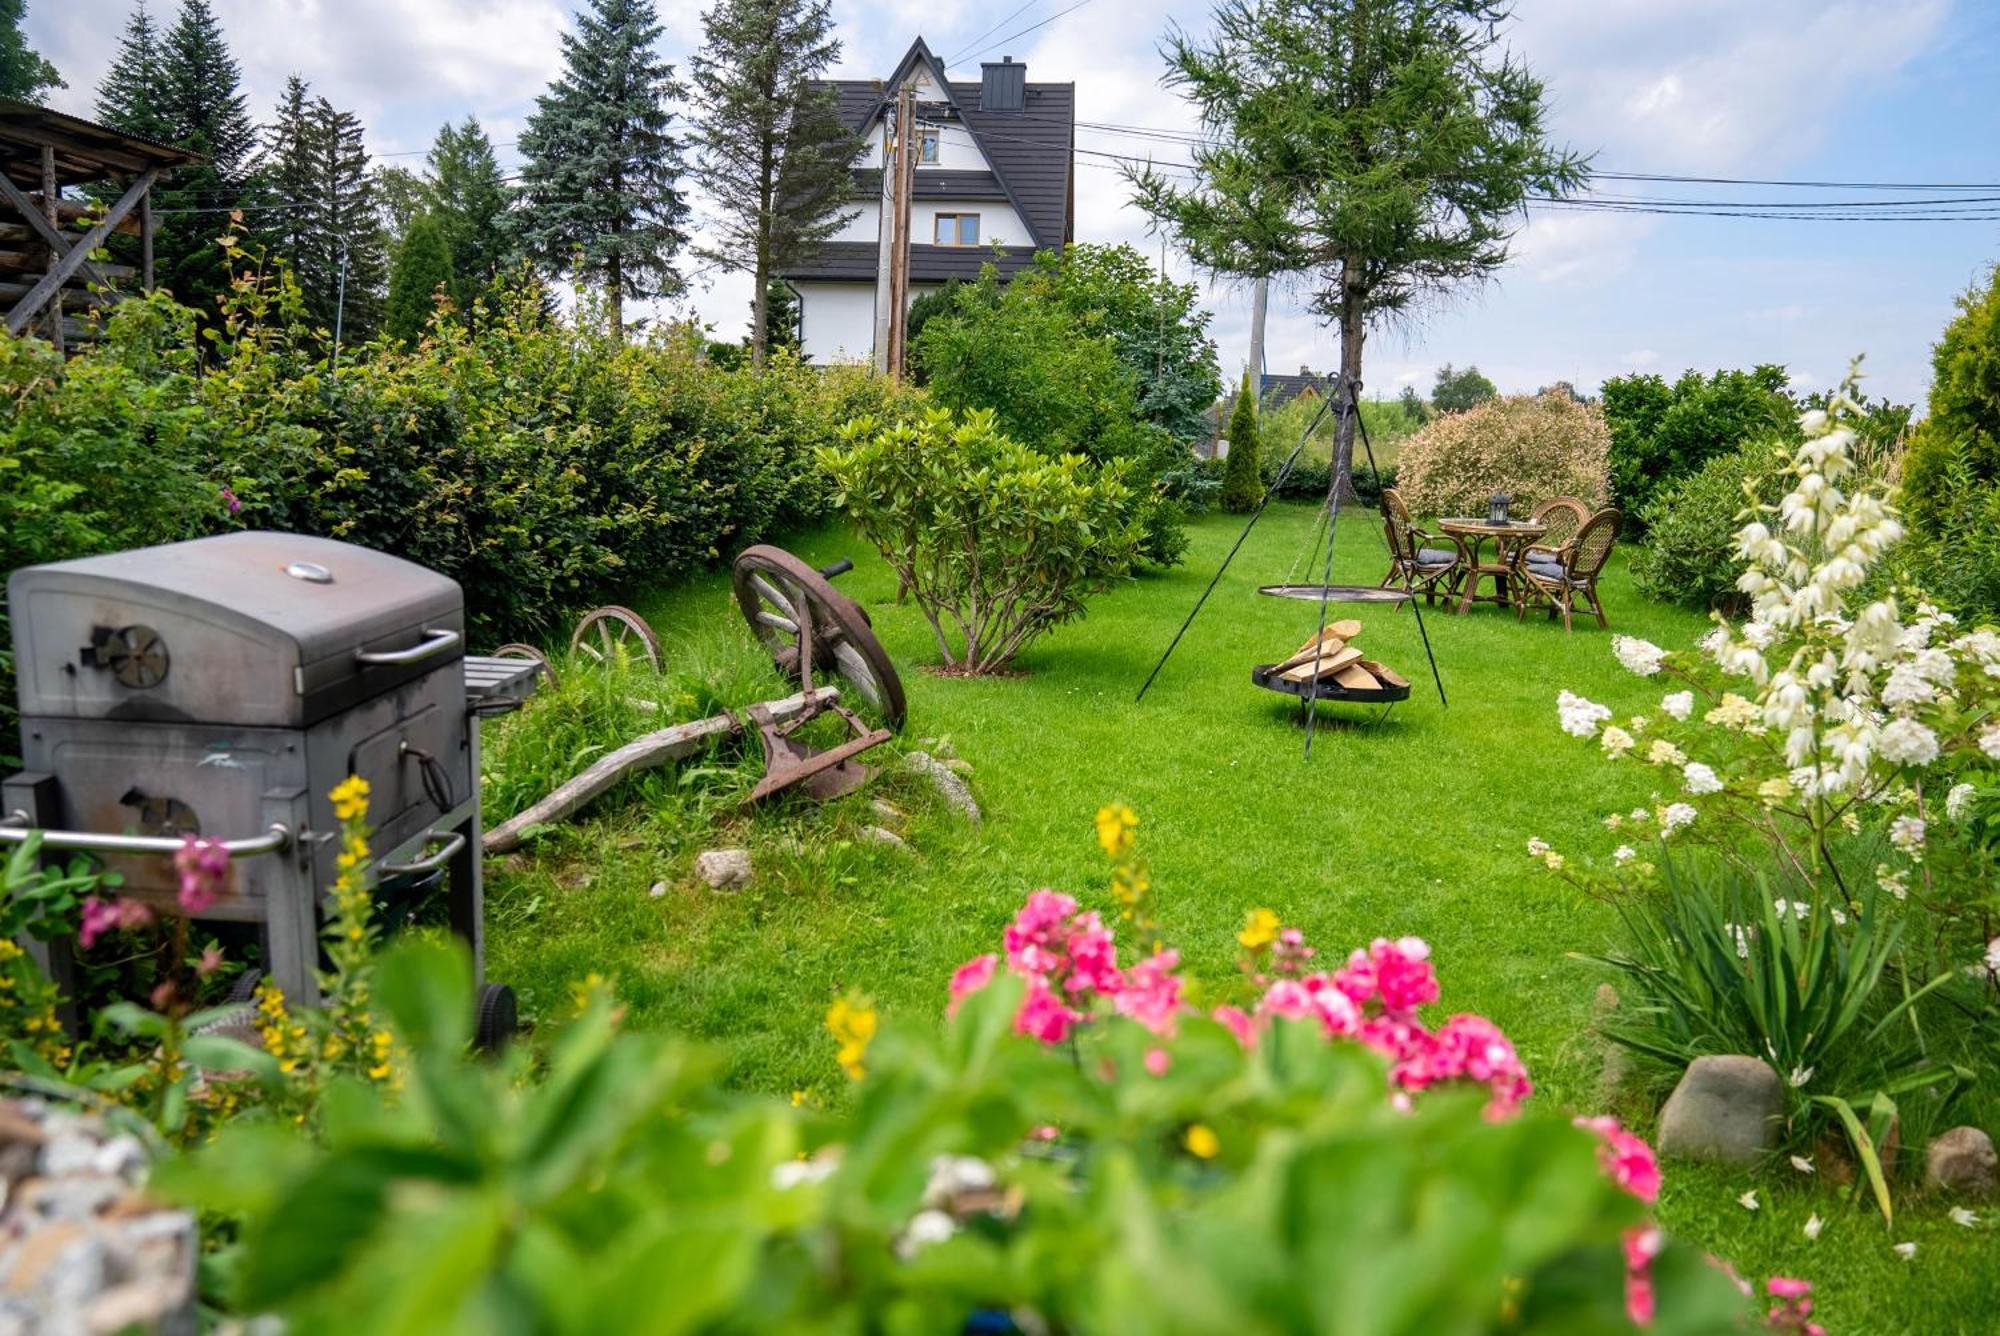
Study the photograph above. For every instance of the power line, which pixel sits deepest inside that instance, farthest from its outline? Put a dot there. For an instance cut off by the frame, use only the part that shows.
(990, 31)
(1032, 26)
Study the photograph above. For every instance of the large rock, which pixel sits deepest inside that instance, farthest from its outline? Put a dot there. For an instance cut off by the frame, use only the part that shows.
(1962, 1160)
(1725, 1108)
(946, 781)
(724, 869)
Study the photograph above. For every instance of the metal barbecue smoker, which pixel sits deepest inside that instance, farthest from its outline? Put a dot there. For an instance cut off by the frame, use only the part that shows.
(222, 688)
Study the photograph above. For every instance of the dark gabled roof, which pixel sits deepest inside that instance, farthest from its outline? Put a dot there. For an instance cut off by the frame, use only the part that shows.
(1274, 390)
(84, 150)
(1030, 149)
(856, 261)
(932, 184)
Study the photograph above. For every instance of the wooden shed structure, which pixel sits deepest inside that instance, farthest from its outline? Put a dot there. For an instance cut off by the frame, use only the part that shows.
(46, 240)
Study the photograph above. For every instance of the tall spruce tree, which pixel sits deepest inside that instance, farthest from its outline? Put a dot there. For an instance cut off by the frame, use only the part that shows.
(323, 217)
(469, 196)
(129, 96)
(24, 74)
(201, 108)
(601, 195)
(1386, 148)
(773, 154)
(423, 266)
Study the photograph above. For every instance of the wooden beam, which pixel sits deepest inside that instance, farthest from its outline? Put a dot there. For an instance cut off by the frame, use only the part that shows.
(24, 206)
(54, 277)
(146, 243)
(78, 255)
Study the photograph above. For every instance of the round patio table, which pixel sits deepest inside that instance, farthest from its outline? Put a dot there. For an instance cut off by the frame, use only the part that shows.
(1476, 533)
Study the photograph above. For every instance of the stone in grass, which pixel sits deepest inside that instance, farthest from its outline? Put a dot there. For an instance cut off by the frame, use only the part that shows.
(1617, 1062)
(885, 809)
(946, 782)
(1725, 1108)
(882, 835)
(724, 869)
(1962, 1161)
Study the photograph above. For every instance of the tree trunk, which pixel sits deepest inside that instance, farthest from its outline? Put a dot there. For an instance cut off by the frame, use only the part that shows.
(1353, 332)
(614, 299)
(760, 315)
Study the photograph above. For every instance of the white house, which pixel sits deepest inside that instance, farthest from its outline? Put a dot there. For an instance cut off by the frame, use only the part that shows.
(994, 168)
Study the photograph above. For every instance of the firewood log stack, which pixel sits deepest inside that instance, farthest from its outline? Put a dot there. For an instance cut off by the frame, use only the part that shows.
(1330, 657)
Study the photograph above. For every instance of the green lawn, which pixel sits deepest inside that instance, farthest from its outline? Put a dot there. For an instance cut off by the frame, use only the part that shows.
(1413, 825)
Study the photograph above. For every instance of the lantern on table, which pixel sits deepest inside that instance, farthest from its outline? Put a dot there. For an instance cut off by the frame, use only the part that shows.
(1496, 508)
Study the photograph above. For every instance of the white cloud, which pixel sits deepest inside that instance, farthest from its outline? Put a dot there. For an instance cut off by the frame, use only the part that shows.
(1639, 359)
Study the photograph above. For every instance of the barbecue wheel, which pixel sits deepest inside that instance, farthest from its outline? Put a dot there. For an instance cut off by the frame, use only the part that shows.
(605, 632)
(785, 601)
(136, 656)
(498, 1018)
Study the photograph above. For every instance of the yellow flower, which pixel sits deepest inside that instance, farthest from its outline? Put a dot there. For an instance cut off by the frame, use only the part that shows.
(350, 798)
(1115, 825)
(1260, 929)
(851, 1022)
(1202, 1142)
(798, 1099)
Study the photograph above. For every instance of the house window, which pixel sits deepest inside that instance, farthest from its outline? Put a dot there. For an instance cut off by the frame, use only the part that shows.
(957, 229)
(927, 147)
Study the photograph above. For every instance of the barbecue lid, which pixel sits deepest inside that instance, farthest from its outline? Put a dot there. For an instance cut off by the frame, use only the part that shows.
(250, 627)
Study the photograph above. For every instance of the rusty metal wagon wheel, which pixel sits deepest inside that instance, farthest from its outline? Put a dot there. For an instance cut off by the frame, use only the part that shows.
(514, 649)
(785, 600)
(605, 632)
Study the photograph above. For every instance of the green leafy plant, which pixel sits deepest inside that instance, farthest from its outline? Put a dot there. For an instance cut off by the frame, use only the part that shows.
(1716, 964)
(995, 541)
(1662, 432)
(1689, 555)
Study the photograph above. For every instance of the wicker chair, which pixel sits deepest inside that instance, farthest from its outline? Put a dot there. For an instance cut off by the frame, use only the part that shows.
(1566, 581)
(1419, 560)
(1563, 517)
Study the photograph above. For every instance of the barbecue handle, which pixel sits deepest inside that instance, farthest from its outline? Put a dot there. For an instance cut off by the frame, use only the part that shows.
(16, 830)
(453, 842)
(434, 642)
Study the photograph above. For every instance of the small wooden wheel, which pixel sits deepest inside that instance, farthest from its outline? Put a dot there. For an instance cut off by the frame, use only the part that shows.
(786, 601)
(607, 631)
(514, 649)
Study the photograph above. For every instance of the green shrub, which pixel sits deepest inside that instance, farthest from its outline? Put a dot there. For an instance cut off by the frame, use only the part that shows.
(996, 542)
(1529, 447)
(1458, 389)
(1049, 367)
(1242, 480)
(1660, 433)
(1951, 473)
(1689, 555)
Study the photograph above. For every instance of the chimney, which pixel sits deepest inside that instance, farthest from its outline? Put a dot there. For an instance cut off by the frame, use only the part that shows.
(1003, 86)
(1305, 371)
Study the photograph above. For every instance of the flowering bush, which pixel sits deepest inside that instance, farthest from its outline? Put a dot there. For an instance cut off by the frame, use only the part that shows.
(1529, 446)
(1845, 742)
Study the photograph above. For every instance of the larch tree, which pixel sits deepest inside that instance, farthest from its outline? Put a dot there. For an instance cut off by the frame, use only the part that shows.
(202, 109)
(773, 156)
(24, 74)
(601, 197)
(128, 98)
(422, 269)
(286, 226)
(323, 218)
(468, 195)
(1383, 150)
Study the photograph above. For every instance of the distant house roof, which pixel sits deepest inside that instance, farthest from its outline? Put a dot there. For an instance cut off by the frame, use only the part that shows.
(1275, 390)
(857, 260)
(84, 150)
(1029, 151)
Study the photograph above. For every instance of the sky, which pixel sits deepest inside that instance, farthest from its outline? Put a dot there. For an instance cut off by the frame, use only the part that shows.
(1835, 90)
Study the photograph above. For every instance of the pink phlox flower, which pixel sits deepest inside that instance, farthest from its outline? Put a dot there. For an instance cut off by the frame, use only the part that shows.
(970, 977)
(1043, 1015)
(1642, 1244)
(230, 499)
(102, 916)
(1157, 1061)
(1093, 957)
(203, 866)
(1034, 940)
(1240, 1023)
(1404, 977)
(1480, 1052)
(1314, 997)
(1639, 1298)
(1627, 1158)
(1794, 1311)
(1151, 992)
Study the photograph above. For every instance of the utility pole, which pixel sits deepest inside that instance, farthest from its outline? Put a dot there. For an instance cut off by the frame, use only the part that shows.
(1260, 299)
(899, 255)
(339, 306)
(54, 215)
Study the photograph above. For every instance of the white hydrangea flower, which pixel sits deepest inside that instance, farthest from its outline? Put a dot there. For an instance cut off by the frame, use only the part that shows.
(1732, 711)
(1700, 779)
(1639, 656)
(1662, 752)
(1616, 741)
(1623, 854)
(1958, 803)
(1580, 718)
(1676, 816)
(1907, 742)
(1907, 686)
(1907, 834)
(1989, 742)
(1895, 881)
(1537, 846)
(1678, 705)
